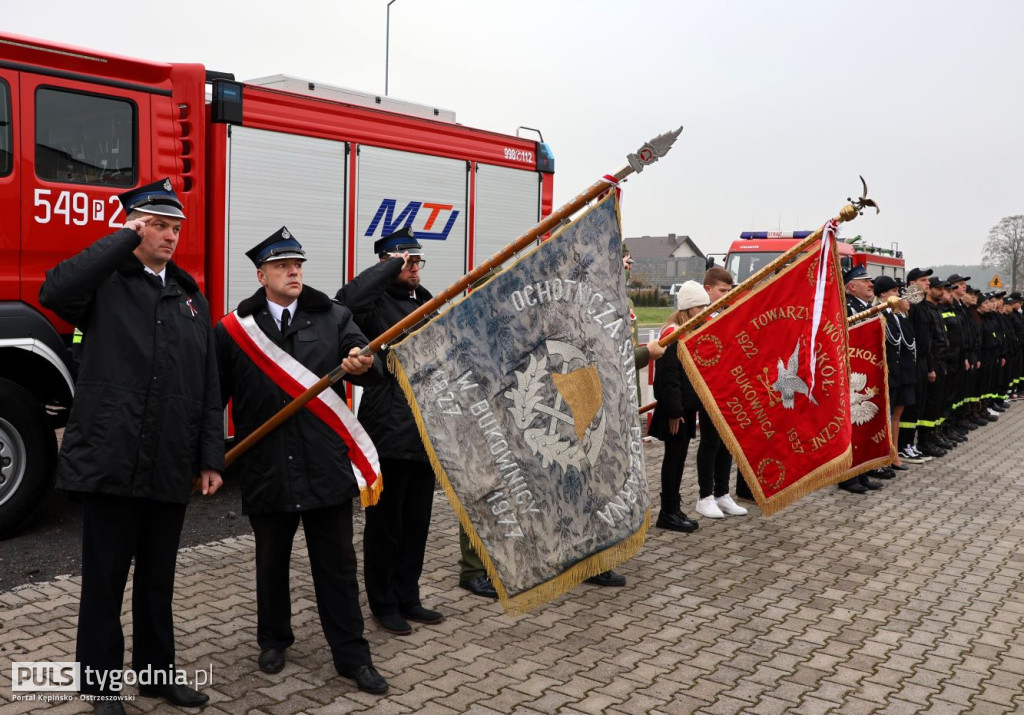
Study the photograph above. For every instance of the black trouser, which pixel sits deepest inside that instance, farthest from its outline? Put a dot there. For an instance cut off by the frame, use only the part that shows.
(954, 388)
(912, 413)
(676, 447)
(934, 408)
(332, 561)
(395, 538)
(713, 460)
(972, 388)
(114, 530)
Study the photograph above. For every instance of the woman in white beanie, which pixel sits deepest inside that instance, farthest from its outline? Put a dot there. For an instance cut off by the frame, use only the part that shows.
(674, 421)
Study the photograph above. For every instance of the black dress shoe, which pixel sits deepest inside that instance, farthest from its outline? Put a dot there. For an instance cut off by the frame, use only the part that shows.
(180, 695)
(931, 450)
(479, 586)
(108, 707)
(883, 474)
(393, 624)
(868, 484)
(608, 578)
(419, 614)
(855, 488)
(367, 679)
(677, 521)
(898, 468)
(272, 660)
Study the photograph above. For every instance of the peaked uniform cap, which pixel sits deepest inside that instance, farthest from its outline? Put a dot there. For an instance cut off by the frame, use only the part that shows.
(157, 198)
(400, 241)
(856, 273)
(278, 247)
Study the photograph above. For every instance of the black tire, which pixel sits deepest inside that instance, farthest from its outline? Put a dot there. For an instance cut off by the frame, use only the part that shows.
(28, 455)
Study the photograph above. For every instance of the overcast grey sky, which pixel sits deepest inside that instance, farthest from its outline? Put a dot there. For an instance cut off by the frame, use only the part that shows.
(784, 102)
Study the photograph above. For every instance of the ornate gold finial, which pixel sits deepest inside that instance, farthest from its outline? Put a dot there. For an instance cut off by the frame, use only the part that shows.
(864, 202)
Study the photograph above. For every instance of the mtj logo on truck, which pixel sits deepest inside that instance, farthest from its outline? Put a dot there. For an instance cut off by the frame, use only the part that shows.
(388, 223)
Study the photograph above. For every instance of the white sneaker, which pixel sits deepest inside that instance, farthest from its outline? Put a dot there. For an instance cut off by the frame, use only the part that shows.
(727, 505)
(907, 455)
(709, 507)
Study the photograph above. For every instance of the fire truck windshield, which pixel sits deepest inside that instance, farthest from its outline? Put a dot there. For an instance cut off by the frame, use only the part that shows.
(743, 265)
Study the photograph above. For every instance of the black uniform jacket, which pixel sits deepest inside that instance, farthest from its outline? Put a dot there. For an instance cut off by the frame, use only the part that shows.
(675, 395)
(303, 464)
(377, 304)
(147, 414)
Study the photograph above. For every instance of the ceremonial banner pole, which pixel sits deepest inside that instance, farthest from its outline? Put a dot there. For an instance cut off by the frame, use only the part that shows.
(847, 213)
(645, 156)
(890, 302)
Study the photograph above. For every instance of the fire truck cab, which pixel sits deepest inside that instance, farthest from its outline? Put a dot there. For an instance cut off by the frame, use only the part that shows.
(339, 168)
(756, 249)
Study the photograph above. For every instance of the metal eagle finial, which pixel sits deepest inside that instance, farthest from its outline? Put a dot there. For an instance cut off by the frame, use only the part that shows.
(864, 202)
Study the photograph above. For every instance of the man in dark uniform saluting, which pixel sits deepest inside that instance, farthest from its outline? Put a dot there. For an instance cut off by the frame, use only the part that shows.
(395, 539)
(146, 421)
(311, 466)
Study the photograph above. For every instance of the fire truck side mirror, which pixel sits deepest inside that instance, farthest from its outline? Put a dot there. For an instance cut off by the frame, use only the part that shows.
(226, 102)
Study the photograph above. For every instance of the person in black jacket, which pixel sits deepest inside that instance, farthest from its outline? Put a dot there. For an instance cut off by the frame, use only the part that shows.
(395, 538)
(145, 423)
(917, 280)
(675, 414)
(306, 468)
(900, 358)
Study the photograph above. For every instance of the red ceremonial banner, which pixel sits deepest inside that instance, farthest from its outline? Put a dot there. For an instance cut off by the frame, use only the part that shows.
(869, 398)
(772, 372)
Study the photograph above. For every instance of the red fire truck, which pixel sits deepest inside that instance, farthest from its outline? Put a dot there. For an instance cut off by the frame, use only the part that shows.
(756, 249)
(339, 168)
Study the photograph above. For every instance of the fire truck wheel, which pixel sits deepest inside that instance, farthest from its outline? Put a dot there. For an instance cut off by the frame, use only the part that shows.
(28, 450)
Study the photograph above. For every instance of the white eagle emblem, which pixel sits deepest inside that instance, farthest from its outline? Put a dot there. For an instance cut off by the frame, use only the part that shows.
(788, 384)
(167, 185)
(862, 409)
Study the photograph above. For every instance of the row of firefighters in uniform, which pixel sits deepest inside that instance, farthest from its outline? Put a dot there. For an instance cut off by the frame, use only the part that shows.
(954, 357)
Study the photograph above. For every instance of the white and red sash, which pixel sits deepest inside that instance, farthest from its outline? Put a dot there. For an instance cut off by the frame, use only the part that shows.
(294, 378)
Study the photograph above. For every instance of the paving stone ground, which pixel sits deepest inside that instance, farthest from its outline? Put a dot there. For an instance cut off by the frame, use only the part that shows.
(905, 600)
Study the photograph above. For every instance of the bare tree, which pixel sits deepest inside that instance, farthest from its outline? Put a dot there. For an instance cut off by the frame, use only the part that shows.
(1004, 248)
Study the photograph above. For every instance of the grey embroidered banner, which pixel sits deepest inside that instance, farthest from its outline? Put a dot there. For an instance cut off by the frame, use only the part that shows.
(525, 396)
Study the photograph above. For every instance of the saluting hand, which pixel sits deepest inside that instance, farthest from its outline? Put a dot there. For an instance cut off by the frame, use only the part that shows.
(405, 258)
(137, 224)
(356, 364)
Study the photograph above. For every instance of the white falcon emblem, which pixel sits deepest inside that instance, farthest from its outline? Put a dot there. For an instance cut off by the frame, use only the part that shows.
(862, 409)
(788, 384)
